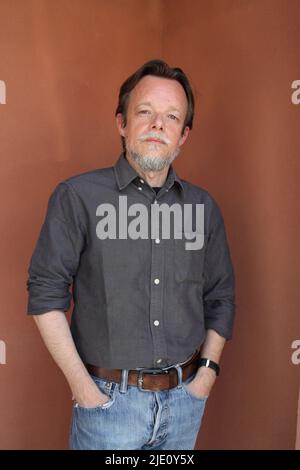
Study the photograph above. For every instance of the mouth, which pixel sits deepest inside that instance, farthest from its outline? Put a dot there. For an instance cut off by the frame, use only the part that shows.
(155, 140)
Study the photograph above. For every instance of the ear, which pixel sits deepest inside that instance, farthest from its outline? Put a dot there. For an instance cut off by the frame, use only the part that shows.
(184, 136)
(119, 121)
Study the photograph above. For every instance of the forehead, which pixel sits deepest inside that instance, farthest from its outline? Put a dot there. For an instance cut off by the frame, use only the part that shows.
(158, 90)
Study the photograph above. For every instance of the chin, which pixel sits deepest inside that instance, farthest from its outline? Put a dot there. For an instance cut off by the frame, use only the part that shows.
(155, 155)
(154, 151)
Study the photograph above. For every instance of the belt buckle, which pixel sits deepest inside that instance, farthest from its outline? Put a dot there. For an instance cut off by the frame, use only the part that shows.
(148, 371)
(177, 367)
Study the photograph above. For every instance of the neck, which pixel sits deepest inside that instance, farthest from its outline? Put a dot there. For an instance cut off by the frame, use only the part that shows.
(153, 178)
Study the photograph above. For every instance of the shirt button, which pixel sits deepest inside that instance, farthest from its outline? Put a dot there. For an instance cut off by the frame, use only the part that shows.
(158, 361)
(140, 188)
(142, 181)
(156, 323)
(167, 190)
(156, 281)
(155, 201)
(157, 240)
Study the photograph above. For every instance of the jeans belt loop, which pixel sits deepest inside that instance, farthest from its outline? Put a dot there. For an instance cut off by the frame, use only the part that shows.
(124, 381)
(179, 372)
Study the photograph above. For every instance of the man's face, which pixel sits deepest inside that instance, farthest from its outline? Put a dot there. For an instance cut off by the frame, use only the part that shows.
(157, 109)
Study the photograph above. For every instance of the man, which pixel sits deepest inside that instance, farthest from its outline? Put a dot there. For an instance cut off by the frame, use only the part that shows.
(153, 304)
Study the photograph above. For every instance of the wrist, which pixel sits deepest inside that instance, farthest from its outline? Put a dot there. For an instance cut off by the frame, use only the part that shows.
(205, 362)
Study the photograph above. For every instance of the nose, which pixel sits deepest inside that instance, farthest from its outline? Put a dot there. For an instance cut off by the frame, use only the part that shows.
(157, 122)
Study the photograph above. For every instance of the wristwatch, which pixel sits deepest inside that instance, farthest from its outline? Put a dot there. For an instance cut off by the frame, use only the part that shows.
(209, 363)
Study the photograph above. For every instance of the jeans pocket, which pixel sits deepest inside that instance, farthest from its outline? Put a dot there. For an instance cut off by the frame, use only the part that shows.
(107, 388)
(189, 394)
(105, 406)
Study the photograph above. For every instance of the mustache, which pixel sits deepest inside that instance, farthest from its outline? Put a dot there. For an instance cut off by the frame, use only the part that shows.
(152, 135)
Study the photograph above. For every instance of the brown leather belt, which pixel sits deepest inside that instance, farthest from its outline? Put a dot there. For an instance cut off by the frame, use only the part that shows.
(149, 379)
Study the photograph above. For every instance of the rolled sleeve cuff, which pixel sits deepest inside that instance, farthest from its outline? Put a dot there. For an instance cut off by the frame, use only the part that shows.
(219, 316)
(41, 301)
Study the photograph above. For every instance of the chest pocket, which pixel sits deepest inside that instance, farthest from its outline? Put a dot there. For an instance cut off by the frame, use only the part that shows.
(189, 263)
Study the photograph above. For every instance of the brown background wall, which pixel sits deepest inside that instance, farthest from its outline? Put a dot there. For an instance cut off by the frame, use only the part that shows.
(63, 62)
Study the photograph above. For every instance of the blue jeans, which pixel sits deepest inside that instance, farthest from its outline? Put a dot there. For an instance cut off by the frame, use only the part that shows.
(164, 420)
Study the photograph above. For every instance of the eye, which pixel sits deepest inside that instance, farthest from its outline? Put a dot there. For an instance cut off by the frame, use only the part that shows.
(174, 118)
(144, 111)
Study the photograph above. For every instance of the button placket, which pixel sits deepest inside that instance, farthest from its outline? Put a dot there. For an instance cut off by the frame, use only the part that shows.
(156, 301)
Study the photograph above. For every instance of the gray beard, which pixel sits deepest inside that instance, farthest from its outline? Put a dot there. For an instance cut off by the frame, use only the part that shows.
(147, 163)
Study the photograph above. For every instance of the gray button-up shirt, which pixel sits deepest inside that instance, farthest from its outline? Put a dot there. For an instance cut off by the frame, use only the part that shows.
(142, 301)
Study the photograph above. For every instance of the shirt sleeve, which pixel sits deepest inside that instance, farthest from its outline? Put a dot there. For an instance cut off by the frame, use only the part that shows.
(219, 279)
(56, 256)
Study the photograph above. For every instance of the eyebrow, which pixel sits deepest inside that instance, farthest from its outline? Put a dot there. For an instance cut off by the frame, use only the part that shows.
(147, 103)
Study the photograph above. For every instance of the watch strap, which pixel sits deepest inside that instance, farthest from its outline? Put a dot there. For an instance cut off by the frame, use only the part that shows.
(209, 363)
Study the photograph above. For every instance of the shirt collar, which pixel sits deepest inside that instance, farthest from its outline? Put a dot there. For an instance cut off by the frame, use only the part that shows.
(125, 174)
